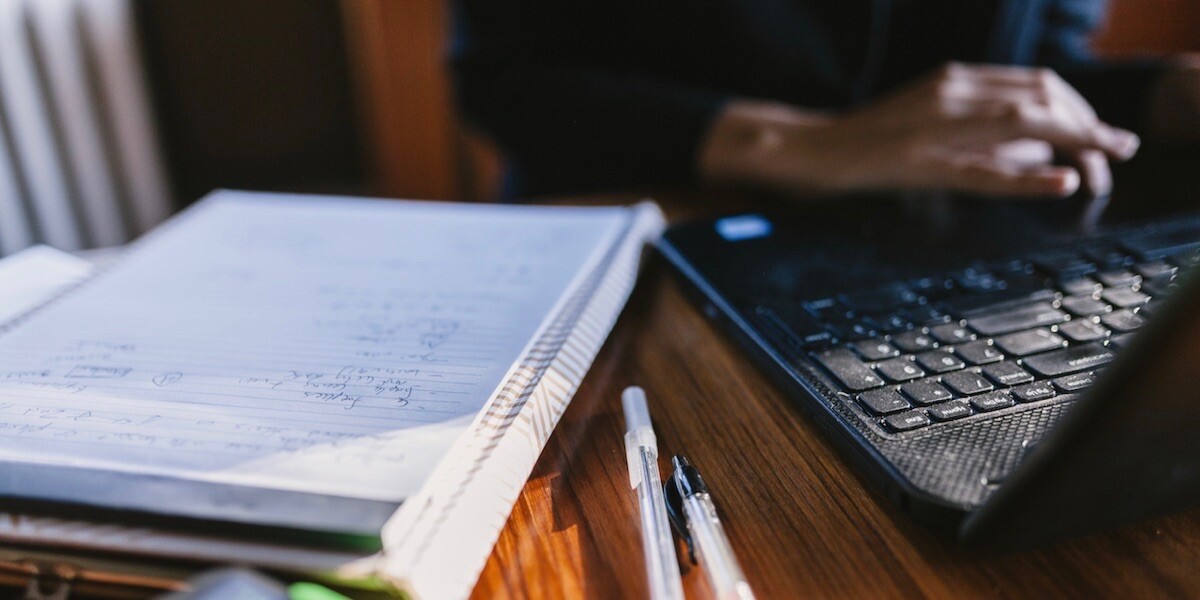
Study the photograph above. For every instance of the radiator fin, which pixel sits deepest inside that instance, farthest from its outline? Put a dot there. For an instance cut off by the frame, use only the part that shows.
(80, 163)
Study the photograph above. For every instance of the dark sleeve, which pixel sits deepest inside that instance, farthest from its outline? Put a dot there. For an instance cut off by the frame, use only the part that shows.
(1119, 90)
(568, 105)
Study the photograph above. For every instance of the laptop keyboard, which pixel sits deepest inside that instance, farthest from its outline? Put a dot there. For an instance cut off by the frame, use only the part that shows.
(917, 353)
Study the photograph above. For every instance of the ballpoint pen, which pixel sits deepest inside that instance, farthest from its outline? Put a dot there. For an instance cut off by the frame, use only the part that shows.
(641, 452)
(690, 502)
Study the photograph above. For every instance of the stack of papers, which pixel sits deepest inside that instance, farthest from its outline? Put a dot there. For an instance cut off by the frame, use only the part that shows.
(295, 364)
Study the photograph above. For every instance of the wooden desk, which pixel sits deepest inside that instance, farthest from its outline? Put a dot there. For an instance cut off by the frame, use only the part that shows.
(802, 523)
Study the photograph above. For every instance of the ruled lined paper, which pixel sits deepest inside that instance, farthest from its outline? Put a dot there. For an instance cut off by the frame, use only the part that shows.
(328, 346)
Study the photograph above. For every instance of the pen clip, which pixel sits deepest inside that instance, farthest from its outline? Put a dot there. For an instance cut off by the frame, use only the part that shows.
(675, 514)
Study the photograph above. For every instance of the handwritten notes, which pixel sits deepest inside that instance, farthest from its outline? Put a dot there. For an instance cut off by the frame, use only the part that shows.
(330, 346)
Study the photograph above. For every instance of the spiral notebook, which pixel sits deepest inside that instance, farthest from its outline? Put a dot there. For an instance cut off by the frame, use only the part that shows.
(357, 387)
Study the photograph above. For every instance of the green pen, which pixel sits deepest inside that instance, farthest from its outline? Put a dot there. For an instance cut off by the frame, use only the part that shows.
(310, 591)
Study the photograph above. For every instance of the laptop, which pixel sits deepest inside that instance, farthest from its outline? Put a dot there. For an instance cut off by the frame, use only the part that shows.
(1010, 373)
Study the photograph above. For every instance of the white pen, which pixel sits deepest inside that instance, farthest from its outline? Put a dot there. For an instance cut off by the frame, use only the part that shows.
(641, 452)
(705, 534)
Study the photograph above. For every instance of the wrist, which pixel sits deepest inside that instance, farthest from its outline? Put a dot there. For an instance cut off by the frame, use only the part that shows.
(763, 144)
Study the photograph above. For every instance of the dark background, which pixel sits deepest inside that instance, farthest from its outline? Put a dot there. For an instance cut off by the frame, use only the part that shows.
(351, 96)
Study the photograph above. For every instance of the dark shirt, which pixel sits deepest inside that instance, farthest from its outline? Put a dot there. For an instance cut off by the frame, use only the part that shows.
(912, 51)
(588, 95)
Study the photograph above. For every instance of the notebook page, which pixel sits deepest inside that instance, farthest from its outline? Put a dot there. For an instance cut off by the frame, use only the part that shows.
(437, 542)
(35, 274)
(319, 345)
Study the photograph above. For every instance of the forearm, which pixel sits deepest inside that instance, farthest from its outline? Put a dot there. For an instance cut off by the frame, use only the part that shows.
(952, 129)
(763, 144)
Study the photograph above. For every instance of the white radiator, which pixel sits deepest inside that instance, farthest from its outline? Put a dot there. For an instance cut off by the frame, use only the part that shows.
(80, 165)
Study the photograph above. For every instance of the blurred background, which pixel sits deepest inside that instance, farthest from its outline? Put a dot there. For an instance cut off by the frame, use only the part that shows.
(116, 113)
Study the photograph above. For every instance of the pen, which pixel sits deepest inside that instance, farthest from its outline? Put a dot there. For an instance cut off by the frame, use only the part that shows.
(641, 452)
(303, 590)
(704, 533)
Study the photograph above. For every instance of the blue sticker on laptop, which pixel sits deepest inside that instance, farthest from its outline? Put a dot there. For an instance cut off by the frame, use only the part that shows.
(743, 227)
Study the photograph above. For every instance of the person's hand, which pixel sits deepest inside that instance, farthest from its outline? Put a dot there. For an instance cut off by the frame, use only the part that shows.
(981, 129)
(1175, 102)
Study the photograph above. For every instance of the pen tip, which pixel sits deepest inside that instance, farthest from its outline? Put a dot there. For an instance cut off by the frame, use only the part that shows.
(679, 461)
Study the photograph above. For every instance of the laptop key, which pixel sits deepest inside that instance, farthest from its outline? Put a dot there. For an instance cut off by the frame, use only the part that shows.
(913, 341)
(976, 280)
(951, 333)
(940, 361)
(1109, 257)
(1016, 319)
(992, 401)
(892, 323)
(851, 328)
(1080, 286)
(1084, 306)
(948, 411)
(853, 374)
(1065, 265)
(1069, 360)
(1029, 342)
(1007, 374)
(1074, 383)
(907, 421)
(1119, 278)
(828, 309)
(1120, 341)
(877, 299)
(1082, 330)
(1156, 269)
(795, 323)
(1124, 297)
(926, 392)
(979, 352)
(933, 288)
(923, 314)
(883, 402)
(1033, 392)
(875, 349)
(900, 369)
(1123, 320)
(973, 304)
(1012, 268)
(967, 383)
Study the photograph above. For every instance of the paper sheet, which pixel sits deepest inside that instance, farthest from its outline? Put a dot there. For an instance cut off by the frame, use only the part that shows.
(33, 275)
(329, 346)
(438, 541)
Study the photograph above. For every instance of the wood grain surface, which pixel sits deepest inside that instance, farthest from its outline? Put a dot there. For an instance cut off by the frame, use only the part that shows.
(803, 524)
